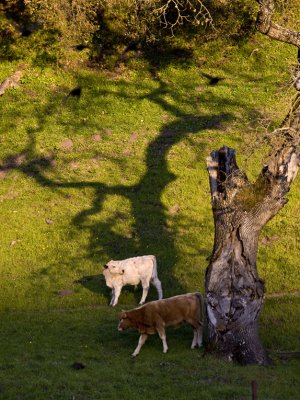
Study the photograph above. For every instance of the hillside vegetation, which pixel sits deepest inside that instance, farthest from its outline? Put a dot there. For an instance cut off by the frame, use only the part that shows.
(121, 171)
(117, 169)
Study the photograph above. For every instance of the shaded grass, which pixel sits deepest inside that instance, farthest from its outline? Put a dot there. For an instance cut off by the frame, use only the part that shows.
(38, 351)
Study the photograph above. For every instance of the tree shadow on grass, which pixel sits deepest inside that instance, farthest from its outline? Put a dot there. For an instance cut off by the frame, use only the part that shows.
(150, 232)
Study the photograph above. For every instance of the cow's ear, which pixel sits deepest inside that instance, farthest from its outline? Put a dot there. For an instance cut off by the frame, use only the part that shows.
(123, 314)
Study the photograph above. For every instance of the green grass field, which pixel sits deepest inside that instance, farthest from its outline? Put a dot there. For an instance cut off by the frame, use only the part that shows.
(121, 172)
(40, 348)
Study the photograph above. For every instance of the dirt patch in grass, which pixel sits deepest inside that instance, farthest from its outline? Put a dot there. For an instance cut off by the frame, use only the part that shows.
(126, 153)
(3, 174)
(174, 209)
(74, 165)
(133, 137)
(66, 144)
(97, 137)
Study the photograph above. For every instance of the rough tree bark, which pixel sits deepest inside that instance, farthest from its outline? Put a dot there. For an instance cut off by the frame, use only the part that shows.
(234, 291)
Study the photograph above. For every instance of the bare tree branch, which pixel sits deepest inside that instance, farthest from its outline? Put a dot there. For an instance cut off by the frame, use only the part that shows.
(265, 25)
(192, 11)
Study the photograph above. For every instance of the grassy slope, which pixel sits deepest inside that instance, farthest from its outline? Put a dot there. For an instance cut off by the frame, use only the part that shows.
(118, 173)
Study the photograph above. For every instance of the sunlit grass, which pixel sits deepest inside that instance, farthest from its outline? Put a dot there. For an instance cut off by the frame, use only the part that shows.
(121, 172)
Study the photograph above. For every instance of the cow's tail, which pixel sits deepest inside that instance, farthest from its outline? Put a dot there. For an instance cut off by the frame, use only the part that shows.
(154, 279)
(200, 300)
(199, 329)
(154, 270)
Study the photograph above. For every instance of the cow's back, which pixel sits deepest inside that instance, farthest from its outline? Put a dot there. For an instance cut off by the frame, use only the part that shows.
(174, 310)
(137, 268)
(140, 262)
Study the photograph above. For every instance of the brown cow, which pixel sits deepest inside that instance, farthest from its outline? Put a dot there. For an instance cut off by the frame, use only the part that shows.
(155, 316)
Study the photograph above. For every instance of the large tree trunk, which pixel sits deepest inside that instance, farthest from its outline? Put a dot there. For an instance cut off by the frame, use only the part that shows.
(234, 291)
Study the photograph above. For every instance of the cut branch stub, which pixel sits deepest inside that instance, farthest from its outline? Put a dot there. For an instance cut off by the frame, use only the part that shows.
(224, 174)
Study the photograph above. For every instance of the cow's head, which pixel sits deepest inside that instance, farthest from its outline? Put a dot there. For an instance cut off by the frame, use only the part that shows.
(124, 321)
(114, 267)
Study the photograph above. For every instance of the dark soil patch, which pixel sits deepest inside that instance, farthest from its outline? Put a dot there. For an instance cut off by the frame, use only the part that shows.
(65, 292)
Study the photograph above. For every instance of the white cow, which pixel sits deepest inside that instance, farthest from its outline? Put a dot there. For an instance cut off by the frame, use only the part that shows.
(132, 271)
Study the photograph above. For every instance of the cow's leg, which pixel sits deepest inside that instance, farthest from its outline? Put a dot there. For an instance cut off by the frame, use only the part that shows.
(117, 291)
(142, 340)
(162, 334)
(199, 338)
(197, 328)
(145, 292)
(112, 297)
(157, 283)
(195, 338)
